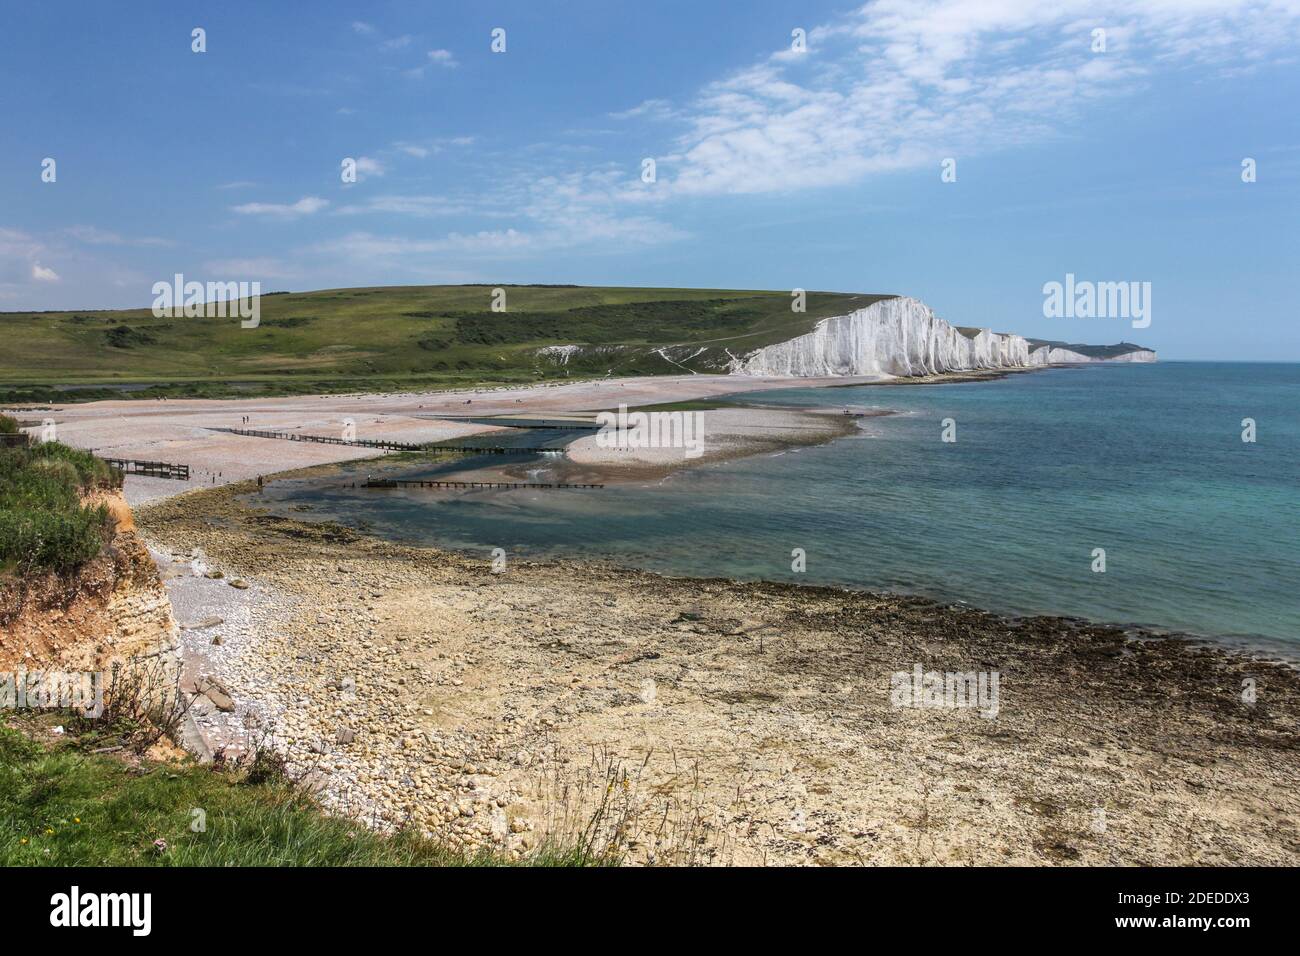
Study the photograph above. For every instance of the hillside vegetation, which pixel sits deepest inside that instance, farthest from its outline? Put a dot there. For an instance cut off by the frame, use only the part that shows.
(43, 525)
(397, 337)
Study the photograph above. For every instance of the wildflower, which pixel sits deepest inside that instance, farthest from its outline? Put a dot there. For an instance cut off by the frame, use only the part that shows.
(160, 845)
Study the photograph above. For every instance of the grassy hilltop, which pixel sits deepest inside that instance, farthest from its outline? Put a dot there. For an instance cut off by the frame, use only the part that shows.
(398, 337)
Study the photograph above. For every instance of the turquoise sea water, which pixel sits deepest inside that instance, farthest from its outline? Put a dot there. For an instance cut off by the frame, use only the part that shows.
(1201, 530)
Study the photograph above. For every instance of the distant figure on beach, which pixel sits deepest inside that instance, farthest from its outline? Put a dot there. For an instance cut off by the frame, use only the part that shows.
(259, 482)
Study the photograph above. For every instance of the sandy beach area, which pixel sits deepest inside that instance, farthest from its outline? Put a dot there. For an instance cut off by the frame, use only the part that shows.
(709, 721)
(185, 431)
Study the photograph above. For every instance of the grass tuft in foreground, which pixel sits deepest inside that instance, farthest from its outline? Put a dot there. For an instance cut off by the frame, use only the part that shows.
(60, 806)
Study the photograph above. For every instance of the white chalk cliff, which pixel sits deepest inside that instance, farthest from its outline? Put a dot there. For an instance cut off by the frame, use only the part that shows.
(899, 336)
(1137, 355)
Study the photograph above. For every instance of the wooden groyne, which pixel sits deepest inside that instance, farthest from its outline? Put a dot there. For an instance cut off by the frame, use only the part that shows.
(323, 440)
(153, 469)
(428, 483)
(427, 448)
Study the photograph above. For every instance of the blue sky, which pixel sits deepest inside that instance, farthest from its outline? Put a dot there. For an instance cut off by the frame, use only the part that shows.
(775, 169)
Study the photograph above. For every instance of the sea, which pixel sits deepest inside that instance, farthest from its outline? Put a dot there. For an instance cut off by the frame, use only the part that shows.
(1165, 496)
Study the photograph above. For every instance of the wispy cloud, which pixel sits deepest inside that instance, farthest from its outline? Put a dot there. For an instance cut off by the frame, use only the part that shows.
(95, 236)
(368, 166)
(548, 231)
(444, 59)
(422, 206)
(903, 83)
(423, 150)
(303, 207)
(892, 85)
(655, 109)
(20, 253)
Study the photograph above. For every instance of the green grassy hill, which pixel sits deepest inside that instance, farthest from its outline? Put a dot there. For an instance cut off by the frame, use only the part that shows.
(397, 337)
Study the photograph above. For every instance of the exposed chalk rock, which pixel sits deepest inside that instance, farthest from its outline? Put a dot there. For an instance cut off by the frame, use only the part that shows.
(900, 336)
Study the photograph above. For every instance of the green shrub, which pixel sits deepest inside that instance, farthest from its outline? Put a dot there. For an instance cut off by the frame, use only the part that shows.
(92, 473)
(8, 426)
(43, 524)
(125, 337)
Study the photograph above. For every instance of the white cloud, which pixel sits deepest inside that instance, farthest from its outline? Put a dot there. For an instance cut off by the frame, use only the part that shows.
(650, 109)
(441, 58)
(20, 255)
(369, 166)
(569, 230)
(431, 147)
(904, 83)
(303, 207)
(424, 206)
(894, 84)
(92, 235)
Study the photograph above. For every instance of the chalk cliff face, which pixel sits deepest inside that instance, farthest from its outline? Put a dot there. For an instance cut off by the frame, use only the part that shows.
(1045, 355)
(899, 336)
(1140, 355)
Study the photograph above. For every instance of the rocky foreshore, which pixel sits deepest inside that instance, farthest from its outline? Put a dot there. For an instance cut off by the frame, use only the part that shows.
(709, 721)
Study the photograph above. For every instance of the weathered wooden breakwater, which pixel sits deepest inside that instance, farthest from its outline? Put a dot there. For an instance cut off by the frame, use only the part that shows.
(430, 483)
(428, 448)
(153, 469)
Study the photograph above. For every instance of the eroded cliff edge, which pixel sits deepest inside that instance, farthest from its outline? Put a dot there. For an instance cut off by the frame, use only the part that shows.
(114, 608)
